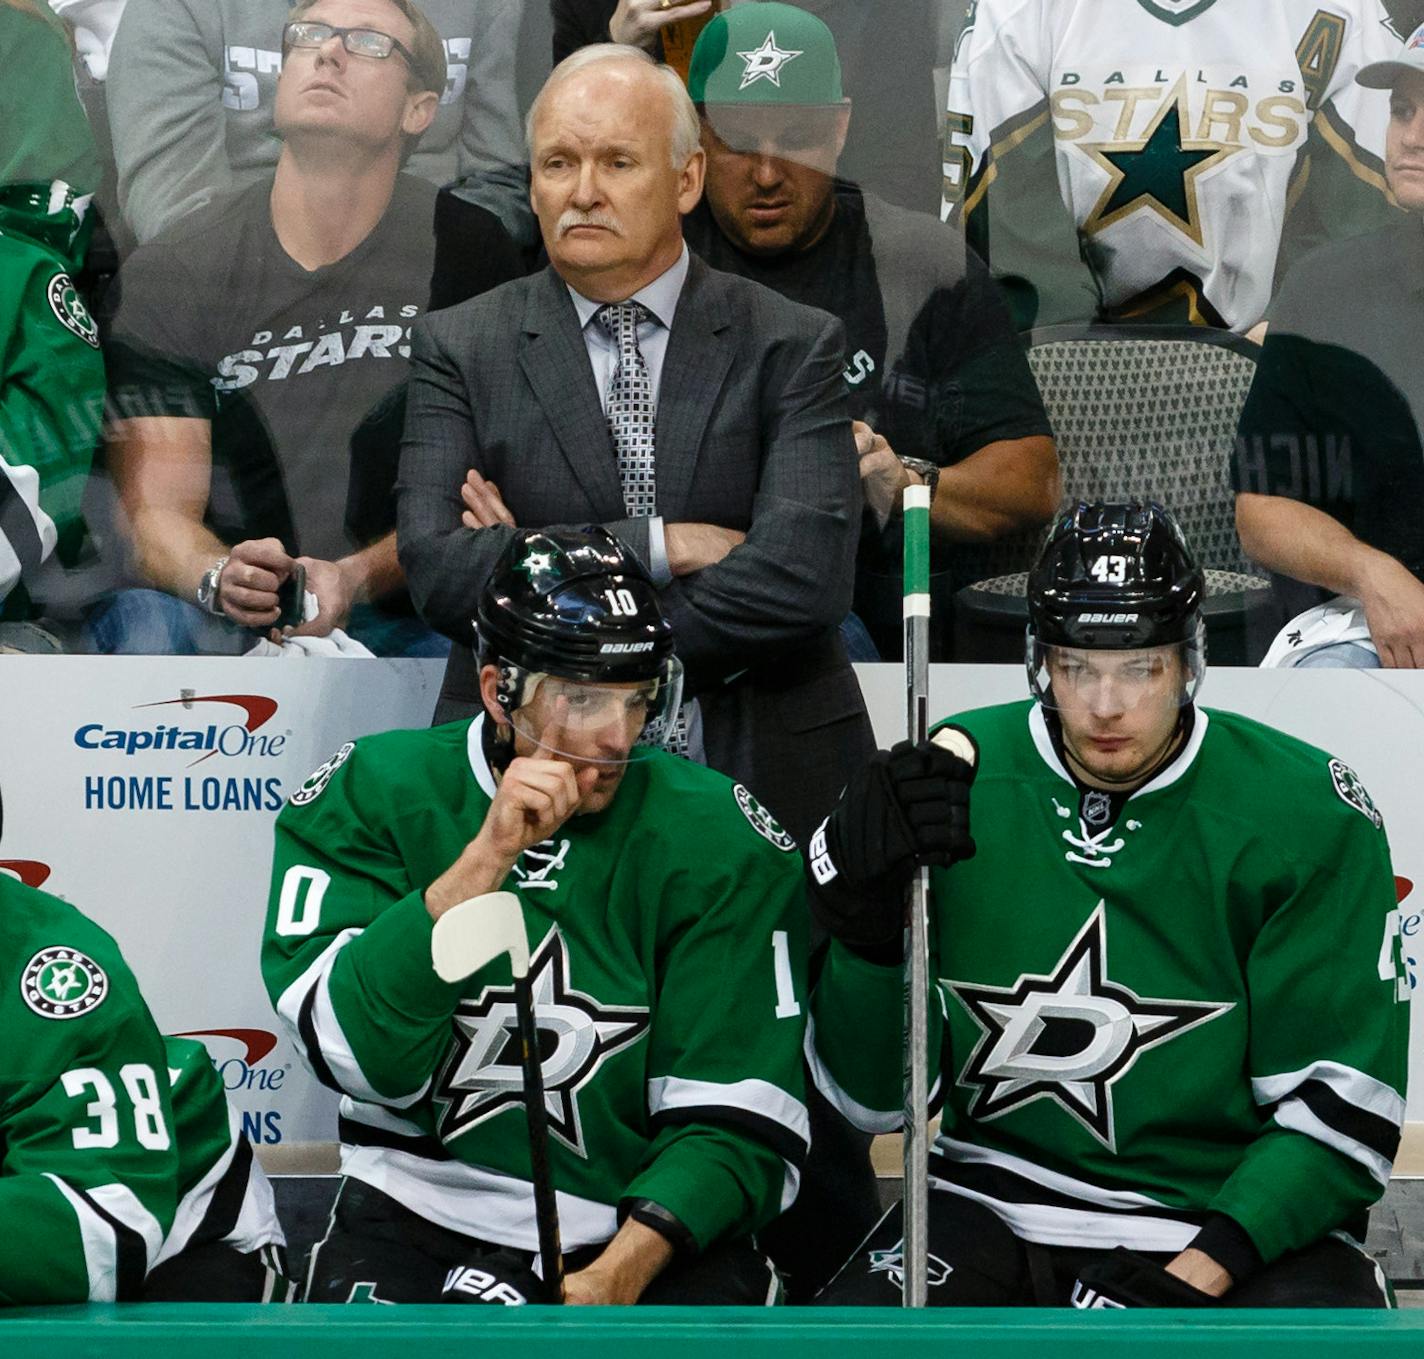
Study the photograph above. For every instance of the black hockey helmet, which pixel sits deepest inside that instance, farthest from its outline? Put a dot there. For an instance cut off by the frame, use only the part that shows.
(1116, 575)
(576, 605)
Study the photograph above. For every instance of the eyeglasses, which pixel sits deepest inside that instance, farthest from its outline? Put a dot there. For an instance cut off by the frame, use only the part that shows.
(360, 42)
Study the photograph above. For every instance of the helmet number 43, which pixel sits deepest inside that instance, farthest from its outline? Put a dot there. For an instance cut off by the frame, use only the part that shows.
(1109, 570)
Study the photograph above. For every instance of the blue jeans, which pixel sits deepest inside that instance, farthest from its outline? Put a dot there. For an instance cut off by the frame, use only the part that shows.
(153, 623)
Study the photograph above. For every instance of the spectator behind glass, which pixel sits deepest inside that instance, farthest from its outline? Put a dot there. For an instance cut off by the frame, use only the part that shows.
(51, 374)
(251, 341)
(1329, 466)
(1179, 133)
(933, 369)
(888, 49)
(191, 97)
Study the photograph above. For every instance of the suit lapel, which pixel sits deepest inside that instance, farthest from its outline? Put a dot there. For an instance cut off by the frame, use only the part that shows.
(555, 362)
(699, 353)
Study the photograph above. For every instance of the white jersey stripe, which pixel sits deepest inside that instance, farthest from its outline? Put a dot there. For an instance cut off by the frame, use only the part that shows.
(860, 1115)
(101, 1253)
(1093, 1195)
(1295, 1115)
(121, 1203)
(193, 1206)
(455, 1196)
(753, 1096)
(335, 1049)
(1054, 1226)
(1354, 1087)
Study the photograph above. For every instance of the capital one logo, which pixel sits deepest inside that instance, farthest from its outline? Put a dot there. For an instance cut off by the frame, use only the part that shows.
(231, 738)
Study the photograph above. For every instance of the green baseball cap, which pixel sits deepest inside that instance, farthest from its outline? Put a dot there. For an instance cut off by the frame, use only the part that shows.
(766, 53)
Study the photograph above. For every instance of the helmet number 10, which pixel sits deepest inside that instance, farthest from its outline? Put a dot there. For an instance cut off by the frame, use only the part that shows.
(621, 603)
(1109, 570)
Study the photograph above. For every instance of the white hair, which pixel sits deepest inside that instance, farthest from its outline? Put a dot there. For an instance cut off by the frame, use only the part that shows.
(686, 126)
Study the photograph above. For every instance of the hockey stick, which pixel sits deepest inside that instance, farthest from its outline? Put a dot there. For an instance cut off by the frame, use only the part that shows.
(915, 1203)
(465, 938)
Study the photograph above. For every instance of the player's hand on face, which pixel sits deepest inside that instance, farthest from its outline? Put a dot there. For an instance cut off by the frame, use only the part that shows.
(1394, 609)
(638, 22)
(883, 477)
(247, 588)
(484, 506)
(537, 793)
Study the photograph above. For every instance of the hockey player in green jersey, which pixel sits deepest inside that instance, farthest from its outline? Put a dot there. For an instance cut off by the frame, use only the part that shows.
(1172, 1022)
(665, 913)
(88, 1167)
(226, 1244)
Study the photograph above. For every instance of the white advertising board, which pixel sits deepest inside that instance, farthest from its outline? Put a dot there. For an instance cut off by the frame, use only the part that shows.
(144, 790)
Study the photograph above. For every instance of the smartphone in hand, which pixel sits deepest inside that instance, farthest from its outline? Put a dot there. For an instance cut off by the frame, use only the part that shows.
(290, 595)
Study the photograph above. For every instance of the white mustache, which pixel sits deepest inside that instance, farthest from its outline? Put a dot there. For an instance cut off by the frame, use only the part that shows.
(574, 218)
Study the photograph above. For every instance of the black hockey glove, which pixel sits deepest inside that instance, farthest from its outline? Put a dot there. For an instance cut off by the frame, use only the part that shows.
(500, 1278)
(1122, 1278)
(908, 806)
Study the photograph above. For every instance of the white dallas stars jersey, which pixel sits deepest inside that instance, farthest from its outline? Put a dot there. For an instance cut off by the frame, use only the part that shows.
(1182, 1007)
(1178, 133)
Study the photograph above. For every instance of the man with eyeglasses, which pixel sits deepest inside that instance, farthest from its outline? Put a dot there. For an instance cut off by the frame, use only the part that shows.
(666, 922)
(1171, 1042)
(252, 342)
(191, 91)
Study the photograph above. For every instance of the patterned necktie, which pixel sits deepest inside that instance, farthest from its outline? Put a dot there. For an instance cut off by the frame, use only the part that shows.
(631, 420)
(631, 415)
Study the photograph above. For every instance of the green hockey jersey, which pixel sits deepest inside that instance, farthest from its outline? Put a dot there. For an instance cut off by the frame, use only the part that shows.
(667, 939)
(224, 1194)
(88, 1169)
(1194, 1008)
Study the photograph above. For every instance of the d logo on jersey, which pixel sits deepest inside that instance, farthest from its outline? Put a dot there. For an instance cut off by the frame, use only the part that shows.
(576, 1036)
(1068, 1036)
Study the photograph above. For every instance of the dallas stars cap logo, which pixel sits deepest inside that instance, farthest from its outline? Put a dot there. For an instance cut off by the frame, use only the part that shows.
(1067, 1037)
(536, 564)
(576, 1036)
(765, 62)
(62, 983)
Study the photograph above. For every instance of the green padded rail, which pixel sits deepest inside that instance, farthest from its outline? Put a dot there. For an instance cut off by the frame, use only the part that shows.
(168, 1331)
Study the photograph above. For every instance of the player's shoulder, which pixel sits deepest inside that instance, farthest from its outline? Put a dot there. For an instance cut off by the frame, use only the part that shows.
(1001, 730)
(722, 820)
(389, 766)
(1306, 789)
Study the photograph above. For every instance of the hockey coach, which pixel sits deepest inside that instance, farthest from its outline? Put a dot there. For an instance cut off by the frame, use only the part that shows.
(665, 915)
(1172, 1048)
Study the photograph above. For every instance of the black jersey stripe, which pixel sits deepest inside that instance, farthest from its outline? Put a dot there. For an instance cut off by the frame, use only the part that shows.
(18, 528)
(357, 1134)
(1008, 1187)
(229, 1194)
(306, 1028)
(130, 1253)
(1379, 1134)
(788, 1145)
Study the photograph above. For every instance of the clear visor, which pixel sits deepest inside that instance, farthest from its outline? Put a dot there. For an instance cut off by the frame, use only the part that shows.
(603, 724)
(1107, 682)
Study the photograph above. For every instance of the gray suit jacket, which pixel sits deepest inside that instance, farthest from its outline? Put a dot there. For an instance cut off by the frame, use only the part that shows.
(752, 434)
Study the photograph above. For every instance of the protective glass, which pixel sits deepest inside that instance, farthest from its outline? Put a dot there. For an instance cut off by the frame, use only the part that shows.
(1106, 682)
(602, 724)
(806, 137)
(360, 42)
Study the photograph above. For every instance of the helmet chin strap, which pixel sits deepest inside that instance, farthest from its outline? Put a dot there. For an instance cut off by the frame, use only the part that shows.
(497, 744)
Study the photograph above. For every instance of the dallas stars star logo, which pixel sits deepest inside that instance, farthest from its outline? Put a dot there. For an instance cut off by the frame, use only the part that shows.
(1068, 1036)
(1158, 173)
(765, 62)
(536, 563)
(576, 1036)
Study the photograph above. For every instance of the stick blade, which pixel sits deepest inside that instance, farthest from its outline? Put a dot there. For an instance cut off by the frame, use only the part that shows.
(478, 931)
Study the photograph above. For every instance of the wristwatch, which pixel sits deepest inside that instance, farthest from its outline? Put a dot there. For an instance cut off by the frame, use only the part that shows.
(208, 587)
(927, 471)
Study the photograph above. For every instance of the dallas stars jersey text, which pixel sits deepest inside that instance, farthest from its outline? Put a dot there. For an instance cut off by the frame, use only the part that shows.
(1179, 134)
(668, 940)
(88, 1169)
(1192, 1010)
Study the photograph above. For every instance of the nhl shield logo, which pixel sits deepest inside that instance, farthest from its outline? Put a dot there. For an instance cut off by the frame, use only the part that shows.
(62, 983)
(1347, 784)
